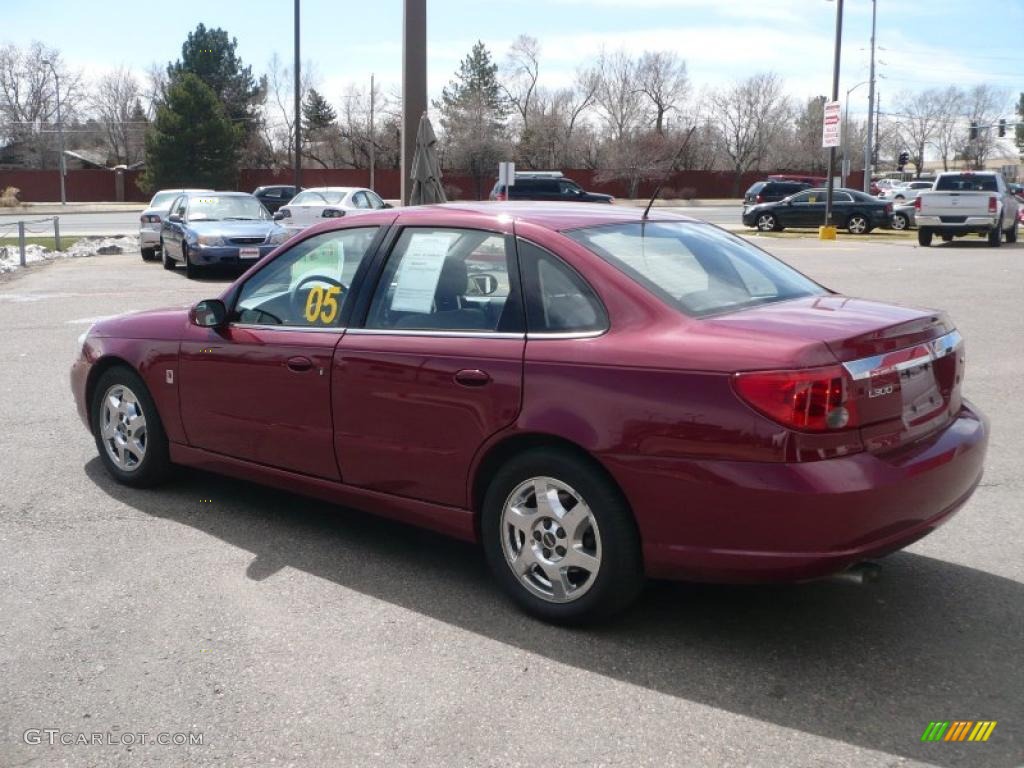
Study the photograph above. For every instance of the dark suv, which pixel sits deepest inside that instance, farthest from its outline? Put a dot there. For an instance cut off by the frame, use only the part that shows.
(275, 195)
(547, 186)
(771, 191)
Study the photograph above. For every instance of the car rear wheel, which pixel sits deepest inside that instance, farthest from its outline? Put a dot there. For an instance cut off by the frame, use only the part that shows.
(924, 237)
(766, 222)
(995, 237)
(128, 431)
(560, 537)
(900, 221)
(167, 260)
(857, 225)
(1011, 235)
(148, 254)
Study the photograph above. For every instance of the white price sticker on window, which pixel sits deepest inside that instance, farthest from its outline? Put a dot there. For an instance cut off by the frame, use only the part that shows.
(420, 272)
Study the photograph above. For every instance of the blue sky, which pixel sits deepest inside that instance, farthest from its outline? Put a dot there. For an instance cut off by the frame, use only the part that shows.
(925, 42)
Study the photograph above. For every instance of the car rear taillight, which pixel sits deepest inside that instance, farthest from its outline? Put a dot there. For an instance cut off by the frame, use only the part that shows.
(993, 204)
(501, 197)
(758, 199)
(888, 208)
(917, 203)
(812, 399)
(149, 218)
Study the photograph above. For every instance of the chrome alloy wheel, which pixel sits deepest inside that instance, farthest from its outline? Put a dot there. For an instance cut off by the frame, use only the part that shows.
(123, 428)
(550, 539)
(857, 225)
(766, 222)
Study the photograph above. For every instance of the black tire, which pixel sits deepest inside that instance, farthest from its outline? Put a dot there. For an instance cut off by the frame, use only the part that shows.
(924, 237)
(619, 576)
(858, 224)
(995, 237)
(155, 463)
(148, 254)
(167, 260)
(1011, 235)
(191, 270)
(767, 222)
(947, 238)
(900, 222)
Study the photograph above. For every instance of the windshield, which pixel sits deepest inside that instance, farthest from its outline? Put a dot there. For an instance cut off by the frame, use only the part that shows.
(312, 197)
(215, 208)
(696, 267)
(966, 182)
(163, 199)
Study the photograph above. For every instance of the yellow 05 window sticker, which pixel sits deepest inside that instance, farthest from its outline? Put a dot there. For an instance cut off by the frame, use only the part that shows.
(322, 304)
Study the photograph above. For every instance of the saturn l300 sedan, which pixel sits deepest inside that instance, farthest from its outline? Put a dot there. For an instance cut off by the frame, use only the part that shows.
(592, 396)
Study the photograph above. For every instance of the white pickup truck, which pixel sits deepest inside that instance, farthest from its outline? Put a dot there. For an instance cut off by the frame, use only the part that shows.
(967, 203)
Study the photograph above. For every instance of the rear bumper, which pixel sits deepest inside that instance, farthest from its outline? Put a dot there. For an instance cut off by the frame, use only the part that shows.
(751, 521)
(149, 238)
(970, 224)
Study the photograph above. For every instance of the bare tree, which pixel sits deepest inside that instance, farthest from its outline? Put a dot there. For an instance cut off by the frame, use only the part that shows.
(661, 77)
(519, 77)
(950, 126)
(750, 116)
(113, 102)
(920, 117)
(278, 122)
(619, 97)
(983, 105)
(28, 98)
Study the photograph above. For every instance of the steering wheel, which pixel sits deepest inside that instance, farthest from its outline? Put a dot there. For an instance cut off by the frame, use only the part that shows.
(299, 300)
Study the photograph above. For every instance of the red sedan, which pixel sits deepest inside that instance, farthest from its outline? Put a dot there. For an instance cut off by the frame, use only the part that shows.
(593, 397)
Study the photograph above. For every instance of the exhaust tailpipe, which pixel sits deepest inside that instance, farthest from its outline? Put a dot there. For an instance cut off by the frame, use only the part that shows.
(862, 573)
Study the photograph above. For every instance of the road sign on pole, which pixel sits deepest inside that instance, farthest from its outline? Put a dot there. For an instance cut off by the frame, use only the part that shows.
(831, 132)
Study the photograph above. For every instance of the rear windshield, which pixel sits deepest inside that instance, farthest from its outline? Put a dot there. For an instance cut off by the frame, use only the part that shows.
(966, 183)
(695, 267)
(756, 187)
(311, 197)
(163, 199)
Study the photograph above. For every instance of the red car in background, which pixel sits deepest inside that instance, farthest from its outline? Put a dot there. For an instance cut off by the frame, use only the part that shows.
(593, 396)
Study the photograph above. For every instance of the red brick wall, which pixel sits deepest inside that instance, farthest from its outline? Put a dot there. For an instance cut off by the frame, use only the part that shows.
(98, 185)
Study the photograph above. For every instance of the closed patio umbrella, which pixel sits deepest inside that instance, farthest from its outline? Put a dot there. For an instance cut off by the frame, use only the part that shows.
(426, 170)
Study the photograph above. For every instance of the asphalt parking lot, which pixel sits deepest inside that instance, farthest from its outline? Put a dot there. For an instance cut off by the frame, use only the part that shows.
(289, 632)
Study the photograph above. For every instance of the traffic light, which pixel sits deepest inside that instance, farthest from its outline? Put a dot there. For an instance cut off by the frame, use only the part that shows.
(904, 159)
(974, 131)
(1002, 128)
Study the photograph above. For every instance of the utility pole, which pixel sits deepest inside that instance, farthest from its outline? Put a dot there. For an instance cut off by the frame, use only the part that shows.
(60, 134)
(373, 144)
(878, 120)
(835, 97)
(414, 83)
(298, 105)
(868, 154)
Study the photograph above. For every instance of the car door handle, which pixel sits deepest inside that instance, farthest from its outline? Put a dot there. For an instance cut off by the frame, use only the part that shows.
(472, 377)
(299, 364)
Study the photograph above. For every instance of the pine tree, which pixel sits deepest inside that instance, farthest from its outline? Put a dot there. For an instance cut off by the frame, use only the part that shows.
(317, 114)
(473, 113)
(210, 55)
(191, 142)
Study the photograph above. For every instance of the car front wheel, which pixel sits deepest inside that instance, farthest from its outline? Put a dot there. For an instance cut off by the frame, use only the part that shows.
(191, 270)
(128, 431)
(167, 260)
(560, 538)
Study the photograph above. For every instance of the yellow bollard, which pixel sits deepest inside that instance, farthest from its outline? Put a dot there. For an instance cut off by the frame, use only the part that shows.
(827, 233)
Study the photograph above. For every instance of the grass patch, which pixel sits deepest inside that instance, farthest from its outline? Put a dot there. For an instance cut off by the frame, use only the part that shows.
(46, 242)
(883, 234)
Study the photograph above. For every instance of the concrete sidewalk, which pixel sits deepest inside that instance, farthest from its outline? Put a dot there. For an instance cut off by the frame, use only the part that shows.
(51, 209)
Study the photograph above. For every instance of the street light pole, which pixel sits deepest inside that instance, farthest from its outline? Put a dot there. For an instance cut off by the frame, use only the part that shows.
(846, 122)
(871, 102)
(298, 106)
(60, 134)
(835, 97)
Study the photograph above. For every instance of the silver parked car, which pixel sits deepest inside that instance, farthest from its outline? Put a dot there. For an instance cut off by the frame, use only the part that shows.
(149, 221)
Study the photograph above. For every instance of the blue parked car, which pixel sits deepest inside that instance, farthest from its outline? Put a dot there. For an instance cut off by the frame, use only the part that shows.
(208, 228)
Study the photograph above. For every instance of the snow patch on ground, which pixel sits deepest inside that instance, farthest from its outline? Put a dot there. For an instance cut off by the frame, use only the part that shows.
(10, 256)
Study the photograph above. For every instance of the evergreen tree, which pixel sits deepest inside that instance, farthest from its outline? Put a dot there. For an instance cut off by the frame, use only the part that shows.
(317, 114)
(473, 112)
(1020, 125)
(210, 55)
(191, 142)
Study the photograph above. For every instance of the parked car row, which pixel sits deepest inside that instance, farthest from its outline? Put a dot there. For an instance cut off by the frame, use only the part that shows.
(854, 211)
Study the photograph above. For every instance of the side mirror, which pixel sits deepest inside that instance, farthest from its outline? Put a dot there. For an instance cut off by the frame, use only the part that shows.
(209, 313)
(388, 205)
(278, 216)
(175, 217)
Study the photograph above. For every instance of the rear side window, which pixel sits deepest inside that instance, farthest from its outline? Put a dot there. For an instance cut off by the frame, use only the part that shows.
(696, 268)
(558, 300)
(755, 188)
(966, 182)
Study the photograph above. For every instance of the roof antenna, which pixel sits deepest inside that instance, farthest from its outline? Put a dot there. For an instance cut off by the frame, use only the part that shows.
(671, 168)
